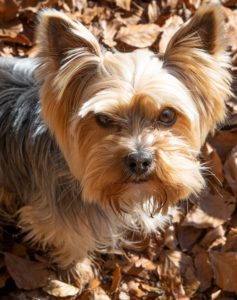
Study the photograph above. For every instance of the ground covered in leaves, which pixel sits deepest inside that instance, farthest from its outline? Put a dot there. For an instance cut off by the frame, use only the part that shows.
(196, 256)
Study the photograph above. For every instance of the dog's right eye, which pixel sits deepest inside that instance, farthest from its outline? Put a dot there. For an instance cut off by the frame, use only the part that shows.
(103, 120)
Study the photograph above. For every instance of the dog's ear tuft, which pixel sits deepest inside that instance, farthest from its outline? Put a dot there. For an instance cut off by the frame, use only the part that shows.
(57, 34)
(204, 30)
(197, 56)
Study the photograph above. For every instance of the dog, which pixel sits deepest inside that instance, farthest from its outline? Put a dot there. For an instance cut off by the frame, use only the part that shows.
(95, 143)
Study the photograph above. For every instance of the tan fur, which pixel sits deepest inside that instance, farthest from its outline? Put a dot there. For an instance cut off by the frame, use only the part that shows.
(80, 81)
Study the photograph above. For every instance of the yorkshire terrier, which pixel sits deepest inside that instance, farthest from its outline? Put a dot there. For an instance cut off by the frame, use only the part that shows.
(94, 143)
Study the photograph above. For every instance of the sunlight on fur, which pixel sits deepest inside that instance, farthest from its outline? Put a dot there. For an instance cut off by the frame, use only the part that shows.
(112, 142)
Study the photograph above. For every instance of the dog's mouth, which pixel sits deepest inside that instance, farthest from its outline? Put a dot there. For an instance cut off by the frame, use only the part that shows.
(138, 180)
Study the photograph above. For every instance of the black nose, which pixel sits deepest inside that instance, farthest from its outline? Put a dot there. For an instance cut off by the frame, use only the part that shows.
(139, 162)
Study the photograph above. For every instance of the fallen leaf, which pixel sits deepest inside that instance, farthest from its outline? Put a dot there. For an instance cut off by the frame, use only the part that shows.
(140, 36)
(116, 279)
(11, 30)
(145, 263)
(231, 241)
(8, 10)
(89, 14)
(187, 236)
(109, 31)
(27, 274)
(177, 274)
(58, 288)
(3, 279)
(215, 295)
(136, 271)
(134, 288)
(230, 27)
(94, 283)
(203, 270)
(230, 169)
(133, 20)
(223, 142)
(168, 30)
(213, 162)
(170, 239)
(125, 4)
(212, 211)
(153, 11)
(224, 266)
(212, 235)
(149, 288)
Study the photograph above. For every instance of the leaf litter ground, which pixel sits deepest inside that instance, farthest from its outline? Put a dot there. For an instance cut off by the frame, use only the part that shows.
(196, 256)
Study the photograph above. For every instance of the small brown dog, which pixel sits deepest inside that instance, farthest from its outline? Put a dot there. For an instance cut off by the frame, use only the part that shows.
(112, 141)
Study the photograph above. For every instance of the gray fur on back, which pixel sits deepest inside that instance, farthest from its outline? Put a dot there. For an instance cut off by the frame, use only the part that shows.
(30, 160)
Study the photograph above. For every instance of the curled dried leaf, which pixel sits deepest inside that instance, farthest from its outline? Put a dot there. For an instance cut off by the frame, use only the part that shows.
(28, 275)
(125, 4)
(58, 288)
(140, 36)
(224, 266)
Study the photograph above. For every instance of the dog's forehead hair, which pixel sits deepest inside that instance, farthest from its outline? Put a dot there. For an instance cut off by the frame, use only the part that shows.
(133, 80)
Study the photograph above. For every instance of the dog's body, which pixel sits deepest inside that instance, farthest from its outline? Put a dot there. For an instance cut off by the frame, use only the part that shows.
(34, 170)
(94, 143)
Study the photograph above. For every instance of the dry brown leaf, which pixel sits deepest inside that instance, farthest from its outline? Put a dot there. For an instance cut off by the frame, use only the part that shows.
(170, 239)
(153, 11)
(94, 283)
(231, 27)
(213, 161)
(133, 20)
(231, 241)
(224, 266)
(212, 235)
(116, 279)
(215, 295)
(223, 142)
(230, 169)
(27, 274)
(109, 31)
(213, 210)
(84, 268)
(11, 30)
(170, 27)
(204, 270)
(89, 14)
(8, 10)
(136, 271)
(140, 36)
(149, 288)
(3, 278)
(19, 250)
(187, 236)
(134, 288)
(145, 263)
(171, 3)
(58, 288)
(100, 294)
(125, 4)
(177, 274)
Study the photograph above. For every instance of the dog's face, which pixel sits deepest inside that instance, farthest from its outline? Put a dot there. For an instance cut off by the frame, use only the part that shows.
(131, 125)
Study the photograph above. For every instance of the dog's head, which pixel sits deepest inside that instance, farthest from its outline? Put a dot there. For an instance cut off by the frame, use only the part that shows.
(130, 125)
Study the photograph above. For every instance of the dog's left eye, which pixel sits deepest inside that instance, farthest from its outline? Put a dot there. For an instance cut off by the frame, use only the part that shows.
(167, 117)
(103, 120)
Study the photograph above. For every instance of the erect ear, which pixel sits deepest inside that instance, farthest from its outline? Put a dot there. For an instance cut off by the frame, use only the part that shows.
(196, 55)
(57, 34)
(204, 31)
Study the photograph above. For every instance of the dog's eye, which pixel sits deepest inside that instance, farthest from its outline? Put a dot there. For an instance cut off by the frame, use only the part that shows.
(103, 120)
(167, 117)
